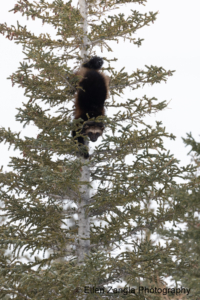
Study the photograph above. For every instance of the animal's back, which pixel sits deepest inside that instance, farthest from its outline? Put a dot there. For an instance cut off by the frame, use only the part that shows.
(92, 93)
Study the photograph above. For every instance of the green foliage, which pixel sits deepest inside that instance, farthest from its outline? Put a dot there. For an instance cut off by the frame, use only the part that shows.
(133, 174)
(188, 262)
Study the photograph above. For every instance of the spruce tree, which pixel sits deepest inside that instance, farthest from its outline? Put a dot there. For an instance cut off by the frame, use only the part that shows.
(113, 240)
(188, 233)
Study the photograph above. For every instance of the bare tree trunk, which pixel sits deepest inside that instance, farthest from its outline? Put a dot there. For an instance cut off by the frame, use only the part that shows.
(84, 220)
(83, 11)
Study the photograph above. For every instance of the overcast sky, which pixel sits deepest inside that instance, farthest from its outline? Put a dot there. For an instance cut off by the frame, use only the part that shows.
(172, 42)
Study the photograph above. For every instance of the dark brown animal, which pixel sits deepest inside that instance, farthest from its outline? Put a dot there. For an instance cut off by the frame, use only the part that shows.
(90, 98)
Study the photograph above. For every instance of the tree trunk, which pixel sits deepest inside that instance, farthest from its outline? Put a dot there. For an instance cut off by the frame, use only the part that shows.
(84, 220)
(83, 11)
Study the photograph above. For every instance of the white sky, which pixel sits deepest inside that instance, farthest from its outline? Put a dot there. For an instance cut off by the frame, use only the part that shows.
(172, 42)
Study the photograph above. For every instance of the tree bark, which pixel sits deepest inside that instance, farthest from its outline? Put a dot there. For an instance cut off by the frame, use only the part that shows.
(83, 11)
(84, 220)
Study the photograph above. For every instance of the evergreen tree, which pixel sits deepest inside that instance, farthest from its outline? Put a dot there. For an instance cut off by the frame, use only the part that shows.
(188, 264)
(114, 238)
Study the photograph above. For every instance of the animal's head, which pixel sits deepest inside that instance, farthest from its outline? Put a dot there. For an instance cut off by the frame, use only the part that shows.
(93, 130)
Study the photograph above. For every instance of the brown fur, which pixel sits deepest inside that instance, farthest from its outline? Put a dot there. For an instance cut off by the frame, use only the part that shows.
(89, 100)
(81, 74)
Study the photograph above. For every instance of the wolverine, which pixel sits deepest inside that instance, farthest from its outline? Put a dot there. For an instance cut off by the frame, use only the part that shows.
(90, 98)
